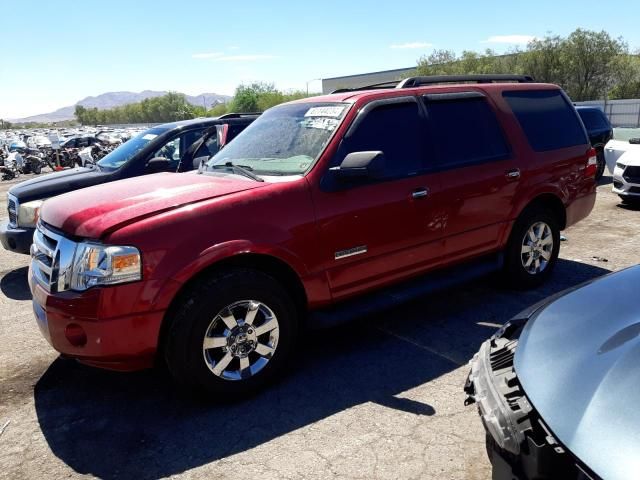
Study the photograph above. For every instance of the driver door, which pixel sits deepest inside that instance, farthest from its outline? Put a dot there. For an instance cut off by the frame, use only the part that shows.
(376, 231)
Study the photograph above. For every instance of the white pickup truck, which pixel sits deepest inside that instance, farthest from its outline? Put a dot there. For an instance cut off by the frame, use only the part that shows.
(623, 161)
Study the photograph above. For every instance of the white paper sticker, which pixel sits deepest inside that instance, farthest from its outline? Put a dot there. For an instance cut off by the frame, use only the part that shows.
(322, 123)
(332, 111)
(149, 136)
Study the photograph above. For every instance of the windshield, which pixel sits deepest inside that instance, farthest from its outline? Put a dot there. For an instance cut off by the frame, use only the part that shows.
(129, 149)
(284, 140)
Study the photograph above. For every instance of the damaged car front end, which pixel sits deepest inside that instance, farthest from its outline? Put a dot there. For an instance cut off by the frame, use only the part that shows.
(519, 444)
(557, 387)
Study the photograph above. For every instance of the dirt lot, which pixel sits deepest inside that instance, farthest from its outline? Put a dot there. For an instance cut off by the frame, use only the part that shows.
(379, 398)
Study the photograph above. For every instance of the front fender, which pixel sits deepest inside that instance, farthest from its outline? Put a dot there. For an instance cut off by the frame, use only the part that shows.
(218, 253)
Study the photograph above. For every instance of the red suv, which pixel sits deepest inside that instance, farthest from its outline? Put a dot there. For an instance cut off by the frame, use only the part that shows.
(322, 209)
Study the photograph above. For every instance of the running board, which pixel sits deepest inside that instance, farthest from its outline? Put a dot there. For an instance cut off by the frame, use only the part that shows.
(404, 292)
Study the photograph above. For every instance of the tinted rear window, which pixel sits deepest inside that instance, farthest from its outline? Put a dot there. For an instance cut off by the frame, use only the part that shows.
(465, 132)
(593, 119)
(547, 118)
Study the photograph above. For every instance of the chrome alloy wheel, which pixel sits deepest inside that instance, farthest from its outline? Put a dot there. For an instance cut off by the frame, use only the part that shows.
(537, 248)
(240, 340)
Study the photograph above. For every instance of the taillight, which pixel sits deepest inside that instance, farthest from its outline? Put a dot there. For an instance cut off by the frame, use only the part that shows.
(592, 164)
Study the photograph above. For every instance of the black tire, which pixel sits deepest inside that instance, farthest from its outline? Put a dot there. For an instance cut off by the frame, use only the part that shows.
(515, 274)
(601, 164)
(36, 168)
(188, 325)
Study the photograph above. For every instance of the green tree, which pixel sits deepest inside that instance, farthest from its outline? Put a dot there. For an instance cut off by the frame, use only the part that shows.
(590, 58)
(587, 64)
(544, 59)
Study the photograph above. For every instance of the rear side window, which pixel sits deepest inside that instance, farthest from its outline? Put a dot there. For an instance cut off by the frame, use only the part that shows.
(593, 119)
(549, 121)
(395, 130)
(465, 132)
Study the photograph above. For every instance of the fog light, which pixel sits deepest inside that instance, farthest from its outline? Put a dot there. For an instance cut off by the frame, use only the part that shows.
(75, 334)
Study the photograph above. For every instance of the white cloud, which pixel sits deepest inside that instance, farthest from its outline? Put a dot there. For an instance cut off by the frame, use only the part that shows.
(243, 58)
(510, 39)
(411, 45)
(207, 55)
(223, 57)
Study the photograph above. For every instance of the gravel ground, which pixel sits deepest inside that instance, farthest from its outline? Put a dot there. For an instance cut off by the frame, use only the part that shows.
(379, 398)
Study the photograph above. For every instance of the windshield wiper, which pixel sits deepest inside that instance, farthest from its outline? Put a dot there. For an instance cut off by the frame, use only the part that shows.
(244, 170)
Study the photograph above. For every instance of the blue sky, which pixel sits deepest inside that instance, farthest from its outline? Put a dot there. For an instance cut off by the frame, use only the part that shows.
(56, 53)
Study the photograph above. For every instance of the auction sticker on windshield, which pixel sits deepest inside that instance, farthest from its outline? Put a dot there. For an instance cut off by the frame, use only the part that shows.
(332, 111)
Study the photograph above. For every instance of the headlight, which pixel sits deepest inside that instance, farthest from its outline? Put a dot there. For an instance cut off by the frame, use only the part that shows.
(28, 213)
(96, 264)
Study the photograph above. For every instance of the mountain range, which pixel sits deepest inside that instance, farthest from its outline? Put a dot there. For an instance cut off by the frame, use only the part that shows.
(116, 99)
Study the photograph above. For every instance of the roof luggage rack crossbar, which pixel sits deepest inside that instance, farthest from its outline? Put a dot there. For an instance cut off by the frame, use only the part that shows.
(476, 78)
(239, 115)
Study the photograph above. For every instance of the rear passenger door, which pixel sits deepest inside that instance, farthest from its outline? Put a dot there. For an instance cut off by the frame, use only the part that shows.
(478, 172)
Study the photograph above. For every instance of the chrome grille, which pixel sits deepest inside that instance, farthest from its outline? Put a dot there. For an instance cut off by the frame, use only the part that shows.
(12, 207)
(51, 259)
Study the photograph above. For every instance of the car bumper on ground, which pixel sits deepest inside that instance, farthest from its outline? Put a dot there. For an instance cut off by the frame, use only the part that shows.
(17, 240)
(74, 325)
(519, 444)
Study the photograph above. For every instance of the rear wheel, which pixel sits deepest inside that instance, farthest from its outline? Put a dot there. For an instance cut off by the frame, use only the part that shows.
(232, 333)
(533, 249)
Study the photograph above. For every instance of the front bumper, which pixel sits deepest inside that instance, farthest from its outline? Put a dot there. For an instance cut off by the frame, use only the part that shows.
(622, 186)
(519, 444)
(17, 240)
(114, 337)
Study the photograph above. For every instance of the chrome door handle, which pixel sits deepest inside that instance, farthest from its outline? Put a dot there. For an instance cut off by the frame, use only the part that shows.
(513, 174)
(420, 193)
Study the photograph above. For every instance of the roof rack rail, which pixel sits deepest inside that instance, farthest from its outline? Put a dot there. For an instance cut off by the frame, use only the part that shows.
(476, 78)
(239, 115)
(433, 79)
(389, 84)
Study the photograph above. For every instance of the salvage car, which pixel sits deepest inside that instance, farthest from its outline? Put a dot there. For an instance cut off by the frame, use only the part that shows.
(626, 173)
(556, 386)
(323, 209)
(172, 147)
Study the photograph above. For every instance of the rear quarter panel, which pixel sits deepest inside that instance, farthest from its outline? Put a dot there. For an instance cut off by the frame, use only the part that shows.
(558, 172)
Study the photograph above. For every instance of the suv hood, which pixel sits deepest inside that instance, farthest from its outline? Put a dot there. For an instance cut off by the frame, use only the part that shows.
(45, 186)
(578, 361)
(96, 211)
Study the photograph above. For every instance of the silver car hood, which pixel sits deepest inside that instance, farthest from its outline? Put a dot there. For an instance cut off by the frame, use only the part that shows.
(578, 361)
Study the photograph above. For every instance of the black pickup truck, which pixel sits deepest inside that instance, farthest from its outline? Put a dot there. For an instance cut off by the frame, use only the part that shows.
(171, 147)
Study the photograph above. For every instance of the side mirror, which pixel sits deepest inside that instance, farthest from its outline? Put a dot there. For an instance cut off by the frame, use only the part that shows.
(158, 164)
(198, 161)
(368, 164)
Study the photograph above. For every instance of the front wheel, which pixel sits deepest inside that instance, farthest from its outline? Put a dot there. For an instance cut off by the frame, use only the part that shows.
(232, 333)
(533, 248)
